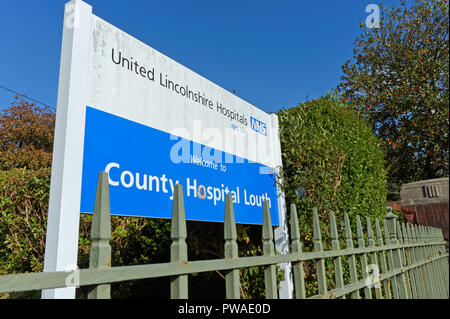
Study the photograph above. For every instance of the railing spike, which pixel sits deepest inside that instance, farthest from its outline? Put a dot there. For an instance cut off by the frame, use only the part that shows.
(316, 226)
(231, 250)
(320, 263)
(297, 267)
(363, 257)
(384, 267)
(229, 223)
(267, 222)
(269, 250)
(338, 271)
(351, 258)
(295, 230)
(333, 228)
(100, 252)
(178, 249)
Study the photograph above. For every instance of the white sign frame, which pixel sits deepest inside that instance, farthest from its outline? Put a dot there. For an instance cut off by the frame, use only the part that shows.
(66, 178)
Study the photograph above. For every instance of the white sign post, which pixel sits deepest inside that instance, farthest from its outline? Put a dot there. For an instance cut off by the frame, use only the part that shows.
(61, 244)
(151, 123)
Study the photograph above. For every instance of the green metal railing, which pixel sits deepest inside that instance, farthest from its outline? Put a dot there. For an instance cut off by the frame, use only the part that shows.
(412, 260)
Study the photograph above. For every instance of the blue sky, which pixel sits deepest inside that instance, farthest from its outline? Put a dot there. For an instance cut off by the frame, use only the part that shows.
(273, 53)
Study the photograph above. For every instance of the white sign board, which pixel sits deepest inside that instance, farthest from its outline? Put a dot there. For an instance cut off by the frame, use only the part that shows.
(151, 123)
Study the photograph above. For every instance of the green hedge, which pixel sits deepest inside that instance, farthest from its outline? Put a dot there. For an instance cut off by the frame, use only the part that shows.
(333, 154)
(23, 210)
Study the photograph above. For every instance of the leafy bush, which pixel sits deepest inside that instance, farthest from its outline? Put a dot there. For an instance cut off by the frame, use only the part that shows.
(332, 153)
(26, 135)
(23, 211)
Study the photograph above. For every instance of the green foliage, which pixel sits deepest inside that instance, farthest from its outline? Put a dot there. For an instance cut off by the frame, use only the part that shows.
(23, 211)
(252, 278)
(398, 78)
(333, 154)
(26, 135)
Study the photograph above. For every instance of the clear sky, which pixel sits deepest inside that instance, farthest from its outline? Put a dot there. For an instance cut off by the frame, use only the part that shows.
(273, 53)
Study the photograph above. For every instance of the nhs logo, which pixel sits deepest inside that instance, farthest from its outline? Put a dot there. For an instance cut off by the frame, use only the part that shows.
(258, 126)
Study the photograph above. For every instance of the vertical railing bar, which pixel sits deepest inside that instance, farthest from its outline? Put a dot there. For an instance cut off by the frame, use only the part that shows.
(390, 253)
(440, 275)
(297, 247)
(435, 274)
(338, 271)
(397, 259)
(403, 259)
(414, 259)
(269, 250)
(439, 264)
(408, 261)
(320, 263)
(351, 259)
(436, 265)
(438, 280)
(445, 264)
(427, 256)
(373, 255)
(232, 283)
(100, 252)
(421, 257)
(363, 257)
(384, 269)
(178, 248)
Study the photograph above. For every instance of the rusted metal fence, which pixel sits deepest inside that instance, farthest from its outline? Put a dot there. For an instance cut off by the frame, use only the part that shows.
(407, 262)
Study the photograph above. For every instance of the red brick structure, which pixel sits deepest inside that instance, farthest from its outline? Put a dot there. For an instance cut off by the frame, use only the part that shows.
(426, 203)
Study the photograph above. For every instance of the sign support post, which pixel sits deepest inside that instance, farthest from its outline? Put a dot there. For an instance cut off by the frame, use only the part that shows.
(61, 244)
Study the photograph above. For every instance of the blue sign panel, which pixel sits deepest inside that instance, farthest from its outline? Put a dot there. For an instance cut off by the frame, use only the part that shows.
(144, 166)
